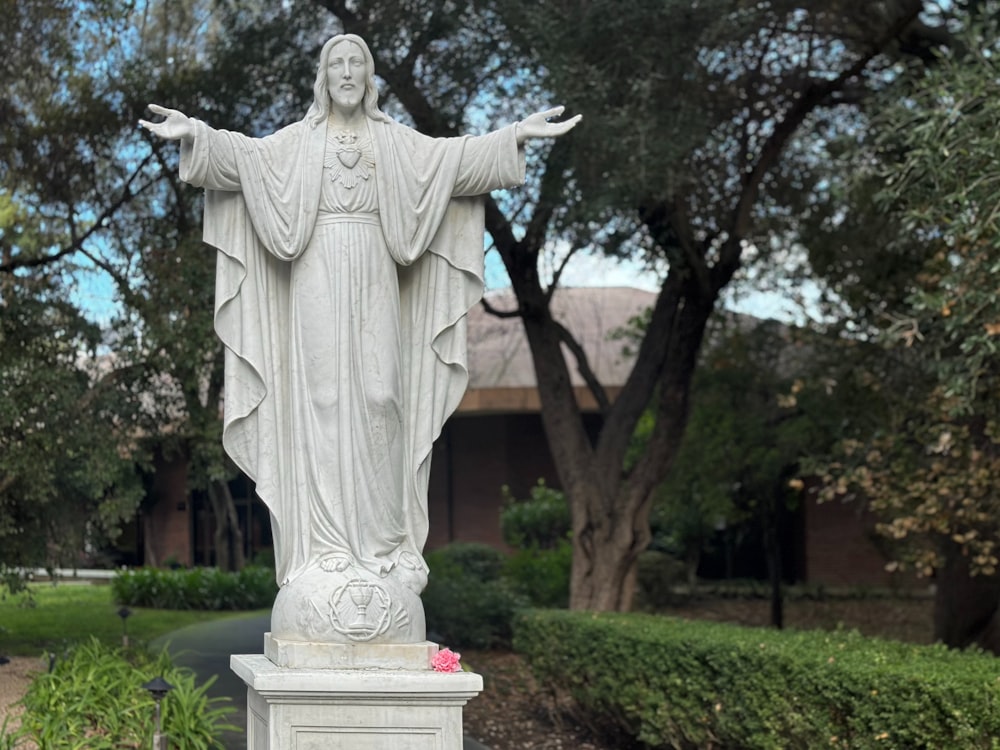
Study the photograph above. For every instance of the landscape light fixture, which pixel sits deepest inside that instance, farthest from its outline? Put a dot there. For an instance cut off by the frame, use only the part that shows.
(124, 613)
(158, 688)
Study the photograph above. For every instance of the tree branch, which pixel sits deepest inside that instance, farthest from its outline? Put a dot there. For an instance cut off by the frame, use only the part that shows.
(557, 274)
(583, 367)
(549, 194)
(668, 222)
(499, 313)
(815, 95)
(521, 265)
(7, 482)
(646, 371)
(76, 245)
(673, 401)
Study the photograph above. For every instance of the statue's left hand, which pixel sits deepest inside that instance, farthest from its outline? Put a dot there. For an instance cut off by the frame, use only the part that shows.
(538, 125)
(174, 126)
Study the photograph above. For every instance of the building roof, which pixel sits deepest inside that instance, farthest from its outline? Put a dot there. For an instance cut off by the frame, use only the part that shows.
(501, 371)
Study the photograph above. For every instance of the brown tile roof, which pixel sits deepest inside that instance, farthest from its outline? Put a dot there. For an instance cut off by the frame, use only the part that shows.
(502, 375)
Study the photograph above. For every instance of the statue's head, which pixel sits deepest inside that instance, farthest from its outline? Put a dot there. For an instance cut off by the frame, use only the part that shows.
(320, 108)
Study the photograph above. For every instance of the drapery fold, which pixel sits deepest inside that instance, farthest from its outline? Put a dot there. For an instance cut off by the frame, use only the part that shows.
(261, 204)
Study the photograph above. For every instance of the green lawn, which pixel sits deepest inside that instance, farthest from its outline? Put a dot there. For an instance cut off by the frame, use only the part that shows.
(55, 615)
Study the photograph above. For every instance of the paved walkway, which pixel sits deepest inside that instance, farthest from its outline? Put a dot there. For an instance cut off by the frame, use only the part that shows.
(206, 648)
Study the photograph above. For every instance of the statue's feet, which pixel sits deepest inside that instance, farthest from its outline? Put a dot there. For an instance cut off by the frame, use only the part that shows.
(411, 572)
(411, 561)
(336, 563)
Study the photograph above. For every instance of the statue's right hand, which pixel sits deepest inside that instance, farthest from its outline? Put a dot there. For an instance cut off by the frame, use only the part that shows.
(175, 126)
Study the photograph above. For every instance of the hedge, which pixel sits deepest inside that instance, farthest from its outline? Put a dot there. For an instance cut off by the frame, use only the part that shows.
(196, 588)
(681, 684)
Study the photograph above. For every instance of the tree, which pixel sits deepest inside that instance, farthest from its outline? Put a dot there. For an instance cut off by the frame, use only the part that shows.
(759, 406)
(111, 203)
(245, 79)
(67, 475)
(927, 459)
(702, 185)
(701, 144)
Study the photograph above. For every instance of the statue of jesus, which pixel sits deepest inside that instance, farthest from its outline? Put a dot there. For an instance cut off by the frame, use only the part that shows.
(350, 249)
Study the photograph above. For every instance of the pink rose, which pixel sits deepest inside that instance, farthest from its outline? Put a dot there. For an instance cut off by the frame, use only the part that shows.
(446, 660)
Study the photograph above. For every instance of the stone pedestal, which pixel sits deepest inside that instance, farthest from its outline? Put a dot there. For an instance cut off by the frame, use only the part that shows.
(347, 697)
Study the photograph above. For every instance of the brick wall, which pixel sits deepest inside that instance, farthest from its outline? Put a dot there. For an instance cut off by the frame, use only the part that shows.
(473, 459)
(841, 546)
(167, 522)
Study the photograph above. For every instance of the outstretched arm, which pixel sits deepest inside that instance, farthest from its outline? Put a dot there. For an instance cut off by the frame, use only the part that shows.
(175, 126)
(207, 156)
(538, 125)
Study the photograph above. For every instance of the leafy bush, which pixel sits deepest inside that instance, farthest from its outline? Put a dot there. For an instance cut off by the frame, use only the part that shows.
(539, 528)
(264, 559)
(658, 575)
(679, 684)
(542, 575)
(466, 603)
(93, 698)
(13, 580)
(478, 561)
(197, 588)
(542, 521)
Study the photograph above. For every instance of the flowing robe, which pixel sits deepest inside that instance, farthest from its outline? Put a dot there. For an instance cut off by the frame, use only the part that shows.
(342, 310)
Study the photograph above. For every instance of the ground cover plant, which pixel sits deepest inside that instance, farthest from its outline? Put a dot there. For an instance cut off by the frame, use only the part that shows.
(93, 697)
(674, 683)
(48, 617)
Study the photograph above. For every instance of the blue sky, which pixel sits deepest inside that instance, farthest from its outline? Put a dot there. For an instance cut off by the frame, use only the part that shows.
(591, 270)
(96, 294)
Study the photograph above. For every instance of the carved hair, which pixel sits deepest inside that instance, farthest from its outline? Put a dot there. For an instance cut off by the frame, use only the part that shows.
(319, 110)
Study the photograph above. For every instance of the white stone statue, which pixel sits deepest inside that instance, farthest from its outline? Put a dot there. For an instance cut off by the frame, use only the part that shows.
(350, 250)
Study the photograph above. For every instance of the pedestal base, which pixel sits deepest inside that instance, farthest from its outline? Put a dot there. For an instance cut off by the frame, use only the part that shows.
(303, 654)
(353, 709)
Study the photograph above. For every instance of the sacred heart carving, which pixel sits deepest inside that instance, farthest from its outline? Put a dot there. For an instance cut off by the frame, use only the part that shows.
(349, 157)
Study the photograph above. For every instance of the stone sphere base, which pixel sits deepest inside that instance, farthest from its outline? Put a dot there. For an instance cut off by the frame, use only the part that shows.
(350, 606)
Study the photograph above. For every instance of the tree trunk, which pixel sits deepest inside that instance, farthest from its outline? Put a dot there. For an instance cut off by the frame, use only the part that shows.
(610, 506)
(228, 535)
(606, 583)
(772, 553)
(149, 556)
(966, 608)
(608, 537)
(237, 555)
(220, 537)
(692, 559)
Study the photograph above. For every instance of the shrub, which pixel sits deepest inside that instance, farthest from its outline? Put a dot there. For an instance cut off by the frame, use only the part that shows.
(467, 604)
(13, 580)
(539, 528)
(658, 575)
(542, 576)
(93, 698)
(673, 683)
(479, 561)
(542, 521)
(197, 588)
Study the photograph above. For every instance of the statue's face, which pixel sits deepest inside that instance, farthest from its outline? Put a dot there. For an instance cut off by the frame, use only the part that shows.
(346, 74)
